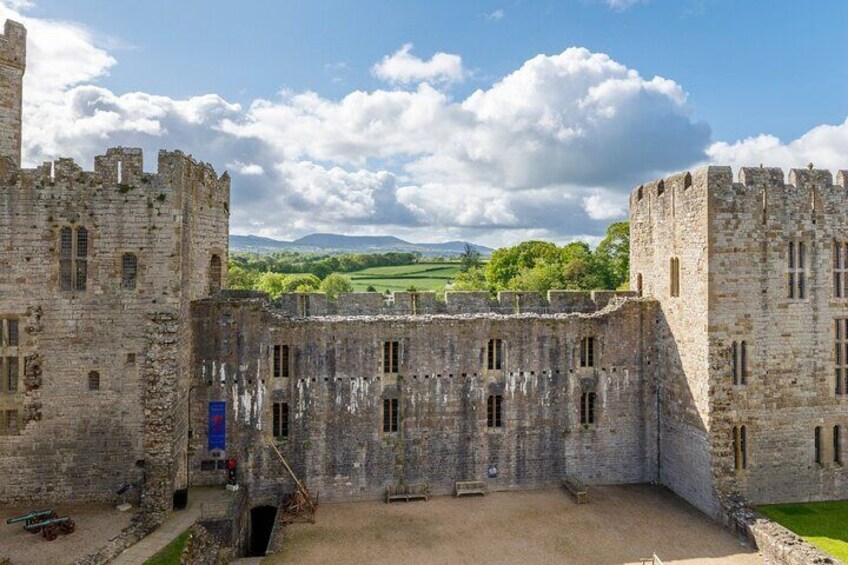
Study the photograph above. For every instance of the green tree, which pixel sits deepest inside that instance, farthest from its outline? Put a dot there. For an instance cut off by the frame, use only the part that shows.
(240, 278)
(272, 283)
(335, 284)
(472, 279)
(540, 278)
(304, 282)
(470, 258)
(506, 263)
(613, 254)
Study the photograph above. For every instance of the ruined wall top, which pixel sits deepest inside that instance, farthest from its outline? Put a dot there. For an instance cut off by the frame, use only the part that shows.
(13, 45)
(367, 304)
(124, 167)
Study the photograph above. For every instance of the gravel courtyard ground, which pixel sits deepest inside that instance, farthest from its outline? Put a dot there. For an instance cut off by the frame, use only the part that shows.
(96, 524)
(620, 525)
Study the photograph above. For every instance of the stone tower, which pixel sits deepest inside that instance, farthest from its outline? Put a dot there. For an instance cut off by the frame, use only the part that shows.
(751, 350)
(12, 67)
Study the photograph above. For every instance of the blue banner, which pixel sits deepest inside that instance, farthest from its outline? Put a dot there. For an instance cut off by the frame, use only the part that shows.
(217, 425)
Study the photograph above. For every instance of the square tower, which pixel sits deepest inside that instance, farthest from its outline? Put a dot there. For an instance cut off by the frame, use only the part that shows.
(12, 67)
(753, 342)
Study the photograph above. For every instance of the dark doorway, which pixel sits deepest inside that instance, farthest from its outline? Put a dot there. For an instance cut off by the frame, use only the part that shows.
(261, 523)
(180, 499)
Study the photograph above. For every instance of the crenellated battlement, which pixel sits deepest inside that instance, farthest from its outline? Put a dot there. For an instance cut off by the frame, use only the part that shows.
(765, 183)
(123, 169)
(13, 45)
(365, 304)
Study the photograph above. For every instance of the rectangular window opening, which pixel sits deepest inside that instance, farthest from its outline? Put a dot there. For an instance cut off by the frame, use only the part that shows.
(390, 415)
(390, 356)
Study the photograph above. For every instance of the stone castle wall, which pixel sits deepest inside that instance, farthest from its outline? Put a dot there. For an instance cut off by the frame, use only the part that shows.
(668, 219)
(790, 384)
(76, 443)
(335, 390)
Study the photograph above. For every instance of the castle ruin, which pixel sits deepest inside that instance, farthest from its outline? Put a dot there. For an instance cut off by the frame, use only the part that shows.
(723, 373)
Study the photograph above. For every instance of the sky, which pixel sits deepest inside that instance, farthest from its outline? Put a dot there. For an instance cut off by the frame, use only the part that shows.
(494, 122)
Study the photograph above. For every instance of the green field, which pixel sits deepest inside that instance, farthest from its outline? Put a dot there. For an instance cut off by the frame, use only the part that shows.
(423, 276)
(823, 524)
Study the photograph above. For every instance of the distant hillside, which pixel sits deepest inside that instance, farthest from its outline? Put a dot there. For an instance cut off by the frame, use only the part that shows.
(334, 243)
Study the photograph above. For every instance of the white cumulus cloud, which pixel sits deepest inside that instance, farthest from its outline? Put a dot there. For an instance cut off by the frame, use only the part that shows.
(402, 67)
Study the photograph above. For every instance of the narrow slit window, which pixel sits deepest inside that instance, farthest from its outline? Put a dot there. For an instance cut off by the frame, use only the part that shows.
(587, 352)
(674, 277)
(390, 415)
(818, 444)
(587, 408)
(734, 362)
(837, 444)
(129, 271)
(66, 244)
(639, 284)
(840, 269)
(494, 411)
(740, 447)
(278, 356)
(494, 355)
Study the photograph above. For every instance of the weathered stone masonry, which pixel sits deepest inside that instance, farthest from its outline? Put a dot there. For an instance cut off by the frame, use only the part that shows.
(75, 442)
(337, 384)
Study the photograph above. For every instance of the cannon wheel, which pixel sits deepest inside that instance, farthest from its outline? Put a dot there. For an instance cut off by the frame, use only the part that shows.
(49, 532)
(69, 527)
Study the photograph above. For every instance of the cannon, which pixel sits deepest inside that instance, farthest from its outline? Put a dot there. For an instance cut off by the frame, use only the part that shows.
(52, 527)
(32, 518)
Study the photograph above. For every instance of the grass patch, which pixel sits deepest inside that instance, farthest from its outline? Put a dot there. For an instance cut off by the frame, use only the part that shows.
(170, 554)
(423, 276)
(823, 524)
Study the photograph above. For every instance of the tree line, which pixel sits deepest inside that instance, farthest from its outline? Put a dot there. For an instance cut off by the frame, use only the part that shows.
(533, 266)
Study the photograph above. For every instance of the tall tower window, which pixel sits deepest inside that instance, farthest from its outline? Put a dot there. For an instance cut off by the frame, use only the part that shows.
(674, 276)
(817, 439)
(837, 445)
(215, 269)
(796, 279)
(840, 356)
(840, 269)
(73, 258)
(494, 354)
(587, 352)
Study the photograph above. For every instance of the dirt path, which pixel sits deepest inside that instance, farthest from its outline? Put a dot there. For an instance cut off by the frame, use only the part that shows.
(621, 525)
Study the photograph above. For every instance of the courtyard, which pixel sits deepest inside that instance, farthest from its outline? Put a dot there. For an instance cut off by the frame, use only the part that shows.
(620, 525)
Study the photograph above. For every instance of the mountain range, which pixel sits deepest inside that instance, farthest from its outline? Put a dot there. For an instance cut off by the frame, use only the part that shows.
(334, 243)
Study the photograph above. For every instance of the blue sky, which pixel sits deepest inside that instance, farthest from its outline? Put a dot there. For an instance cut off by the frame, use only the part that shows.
(735, 82)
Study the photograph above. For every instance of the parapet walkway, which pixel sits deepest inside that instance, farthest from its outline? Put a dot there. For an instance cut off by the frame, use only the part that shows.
(201, 500)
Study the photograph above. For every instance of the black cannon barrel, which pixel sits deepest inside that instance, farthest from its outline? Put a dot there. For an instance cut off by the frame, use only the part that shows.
(34, 515)
(48, 522)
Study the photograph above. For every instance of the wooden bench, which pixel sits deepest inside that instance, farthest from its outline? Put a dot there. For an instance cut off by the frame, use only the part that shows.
(407, 493)
(469, 487)
(576, 487)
